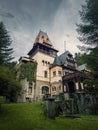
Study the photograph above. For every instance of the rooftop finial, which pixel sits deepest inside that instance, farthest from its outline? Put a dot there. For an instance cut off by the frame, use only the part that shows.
(64, 45)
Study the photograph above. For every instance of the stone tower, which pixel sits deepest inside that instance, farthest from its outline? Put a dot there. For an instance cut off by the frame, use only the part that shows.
(44, 53)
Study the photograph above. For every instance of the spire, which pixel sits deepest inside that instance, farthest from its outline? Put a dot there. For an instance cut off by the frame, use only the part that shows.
(42, 37)
(42, 43)
(65, 46)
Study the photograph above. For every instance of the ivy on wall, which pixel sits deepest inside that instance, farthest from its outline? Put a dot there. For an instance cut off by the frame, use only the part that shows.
(28, 71)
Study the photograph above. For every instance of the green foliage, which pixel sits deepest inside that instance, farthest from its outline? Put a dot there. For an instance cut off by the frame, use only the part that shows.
(29, 116)
(80, 58)
(94, 109)
(9, 86)
(89, 85)
(28, 71)
(2, 100)
(88, 29)
(92, 61)
(5, 42)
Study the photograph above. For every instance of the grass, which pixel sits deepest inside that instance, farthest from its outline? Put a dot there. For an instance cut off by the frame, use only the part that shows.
(29, 116)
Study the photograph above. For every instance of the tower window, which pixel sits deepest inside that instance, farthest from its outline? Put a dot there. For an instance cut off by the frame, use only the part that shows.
(45, 74)
(42, 37)
(48, 63)
(45, 63)
(42, 62)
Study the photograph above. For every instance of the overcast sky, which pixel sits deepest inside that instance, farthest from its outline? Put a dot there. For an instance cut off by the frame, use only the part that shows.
(25, 18)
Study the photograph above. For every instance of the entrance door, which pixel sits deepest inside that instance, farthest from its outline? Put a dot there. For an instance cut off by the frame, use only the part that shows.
(71, 87)
(45, 90)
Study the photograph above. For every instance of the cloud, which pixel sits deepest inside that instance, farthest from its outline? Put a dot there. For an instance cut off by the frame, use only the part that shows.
(64, 25)
(5, 13)
(24, 19)
(8, 15)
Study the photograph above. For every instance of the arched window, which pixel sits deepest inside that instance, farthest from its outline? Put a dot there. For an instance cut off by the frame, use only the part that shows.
(48, 63)
(53, 88)
(45, 90)
(43, 62)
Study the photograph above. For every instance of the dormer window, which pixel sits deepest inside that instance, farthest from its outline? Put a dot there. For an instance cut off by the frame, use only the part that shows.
(42, 37)
(47, 39)
(69, 55)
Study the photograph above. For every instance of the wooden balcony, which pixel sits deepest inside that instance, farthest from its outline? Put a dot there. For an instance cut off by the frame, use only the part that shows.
(74, 75)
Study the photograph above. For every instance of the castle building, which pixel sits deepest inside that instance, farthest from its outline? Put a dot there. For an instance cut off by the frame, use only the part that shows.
(55, 74)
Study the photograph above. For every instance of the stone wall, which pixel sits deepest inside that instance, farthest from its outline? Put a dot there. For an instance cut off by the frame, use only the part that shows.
(38, 89)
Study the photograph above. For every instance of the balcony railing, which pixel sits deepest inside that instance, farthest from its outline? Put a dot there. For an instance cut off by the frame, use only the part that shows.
(74, 75)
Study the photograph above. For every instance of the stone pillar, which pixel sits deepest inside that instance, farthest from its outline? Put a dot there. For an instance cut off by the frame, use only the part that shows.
(77, 87)
(79, 83)
(82, 87)
(50, 108)
(65, 88)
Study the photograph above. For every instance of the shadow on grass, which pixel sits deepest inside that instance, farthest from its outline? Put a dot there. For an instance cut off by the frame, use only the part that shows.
(4, 111)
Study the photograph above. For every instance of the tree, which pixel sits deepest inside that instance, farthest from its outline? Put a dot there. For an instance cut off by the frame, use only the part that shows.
(80, 58)
(5, 43)
(88, 31)
(9, 86)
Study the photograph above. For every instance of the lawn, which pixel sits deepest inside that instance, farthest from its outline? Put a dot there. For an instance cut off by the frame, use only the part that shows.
(29, 116)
